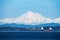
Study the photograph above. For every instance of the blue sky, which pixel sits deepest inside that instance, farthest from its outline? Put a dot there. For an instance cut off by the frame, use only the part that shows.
(15, 8)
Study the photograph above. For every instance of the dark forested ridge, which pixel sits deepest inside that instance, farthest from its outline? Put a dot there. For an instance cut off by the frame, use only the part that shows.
(22, 27)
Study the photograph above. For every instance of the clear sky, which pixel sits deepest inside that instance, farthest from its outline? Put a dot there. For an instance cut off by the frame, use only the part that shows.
(15, 8)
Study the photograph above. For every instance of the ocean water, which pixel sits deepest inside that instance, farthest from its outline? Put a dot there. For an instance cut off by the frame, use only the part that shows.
(29, 35)
(27, 39)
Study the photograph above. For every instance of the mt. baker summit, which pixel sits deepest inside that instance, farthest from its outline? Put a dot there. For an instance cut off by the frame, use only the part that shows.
(28, 18)
(32, 18)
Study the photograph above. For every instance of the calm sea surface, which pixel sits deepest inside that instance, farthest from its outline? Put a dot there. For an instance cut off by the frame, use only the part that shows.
(29, 35)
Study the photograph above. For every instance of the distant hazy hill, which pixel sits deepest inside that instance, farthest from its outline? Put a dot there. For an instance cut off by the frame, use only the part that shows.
(24, 26)
(51, 24)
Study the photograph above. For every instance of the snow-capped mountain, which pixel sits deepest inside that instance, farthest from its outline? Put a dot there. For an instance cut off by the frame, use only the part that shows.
(57, 20)
(30, 18)
(27, 18)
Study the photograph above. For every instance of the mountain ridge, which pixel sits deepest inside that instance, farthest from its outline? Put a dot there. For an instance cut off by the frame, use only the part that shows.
(30, 26)
(30, 18)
